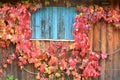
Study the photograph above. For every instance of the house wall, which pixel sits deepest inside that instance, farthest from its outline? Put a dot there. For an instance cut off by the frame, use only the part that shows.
(103, 37)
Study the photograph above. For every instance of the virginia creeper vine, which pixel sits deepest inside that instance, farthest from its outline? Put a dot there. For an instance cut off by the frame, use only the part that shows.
(59, 60)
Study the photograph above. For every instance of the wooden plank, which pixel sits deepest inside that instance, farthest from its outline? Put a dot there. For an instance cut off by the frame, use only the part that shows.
(71, 14)
(14, 69)
(24, 75)
(33, 26)
(112, 3)
(47, 10)
(103, 48)
(119, 54)
(117, 7)
(58, 22)
(115, 59)
(38, 24)
(96, 38)
(43, 23)
(14, 64)
(27, 73)
(61, 22)
(71, 18)
(19, 73)
(48, 17)
(30, 76)
(67, 23)
(90, 36)
(54, 27)
(71, 22)
(9, 70)
(119, 4)
(49, 22)
(110, 47)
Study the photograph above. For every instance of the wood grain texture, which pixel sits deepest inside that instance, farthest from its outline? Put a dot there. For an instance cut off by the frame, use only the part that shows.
(102, 36)
(110, 49)
(103, 48)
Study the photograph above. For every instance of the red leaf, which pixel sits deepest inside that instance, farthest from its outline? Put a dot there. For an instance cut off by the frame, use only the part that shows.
(63, 64)
(1, 72)
(53, 61)
(72, 63)
(42, 67)
(75, 53)
(20, 63)
(43, 79)
(68, 72)
(5, 65)
(9, 61)
(104, 55)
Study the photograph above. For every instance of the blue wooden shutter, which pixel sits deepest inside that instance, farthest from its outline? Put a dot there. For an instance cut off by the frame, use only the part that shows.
(53, 23)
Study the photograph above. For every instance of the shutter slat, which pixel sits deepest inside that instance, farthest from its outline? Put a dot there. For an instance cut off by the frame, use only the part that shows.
(67, 28)
(53, 23)
(37, 29)
(54, 28)
(43, 23)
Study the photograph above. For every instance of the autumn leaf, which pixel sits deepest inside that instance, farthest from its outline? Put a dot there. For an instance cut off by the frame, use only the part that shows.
(43, 79)
(57, 74)
(1, 72)
(47, 3)
(72, 62)
(104, 55)
(9, 61)
(63, 64)
(37, 64)
(42, 68)
(38, 76)
(5, 65)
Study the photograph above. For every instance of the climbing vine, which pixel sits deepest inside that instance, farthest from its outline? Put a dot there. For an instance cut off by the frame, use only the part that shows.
(59, 60)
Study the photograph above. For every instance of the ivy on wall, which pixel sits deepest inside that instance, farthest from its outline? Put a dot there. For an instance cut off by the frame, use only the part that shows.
(58, 60)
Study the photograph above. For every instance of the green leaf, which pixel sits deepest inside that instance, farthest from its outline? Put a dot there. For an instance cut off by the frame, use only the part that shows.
(11, 77)
(16, 79)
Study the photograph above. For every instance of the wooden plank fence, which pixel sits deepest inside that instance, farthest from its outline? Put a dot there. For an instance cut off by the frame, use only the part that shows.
(103, 37)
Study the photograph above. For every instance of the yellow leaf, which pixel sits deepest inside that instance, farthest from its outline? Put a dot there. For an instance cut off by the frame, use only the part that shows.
(72, 46)
(38, 76)
(37, 65)
(81, 14)
(7, 42)
(74, 73)
(113, 16)
(12, 31)
(47, 3)
(24, 56)
(51, 76)
(57, 75)
(9, 36)
(47, 70)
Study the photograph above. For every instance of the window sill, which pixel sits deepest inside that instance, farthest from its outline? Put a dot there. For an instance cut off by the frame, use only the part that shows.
(53, 40)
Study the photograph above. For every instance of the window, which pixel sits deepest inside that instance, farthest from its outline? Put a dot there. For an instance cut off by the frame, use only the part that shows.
(53, 23)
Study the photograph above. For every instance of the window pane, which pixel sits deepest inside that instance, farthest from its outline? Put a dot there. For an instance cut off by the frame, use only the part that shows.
(53, 23)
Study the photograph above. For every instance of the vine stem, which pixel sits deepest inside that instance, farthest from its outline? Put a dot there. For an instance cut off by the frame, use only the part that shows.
(29, 71)
(115, 52)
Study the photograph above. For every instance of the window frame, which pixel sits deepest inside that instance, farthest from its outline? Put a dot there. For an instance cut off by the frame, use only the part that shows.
(40, 39)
